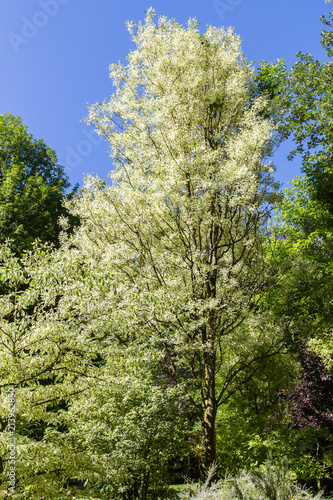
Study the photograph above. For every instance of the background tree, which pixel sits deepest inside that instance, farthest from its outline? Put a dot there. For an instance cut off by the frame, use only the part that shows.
(32, 187)
(245, 426)
(302, 424)
(311, 117)
(181, 229)
(303, 236)
(302, 253)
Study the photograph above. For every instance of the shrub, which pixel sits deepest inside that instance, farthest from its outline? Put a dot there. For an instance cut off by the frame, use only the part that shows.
(272, 481)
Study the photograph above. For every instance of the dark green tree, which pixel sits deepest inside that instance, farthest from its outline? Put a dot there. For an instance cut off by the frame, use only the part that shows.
(32, 187)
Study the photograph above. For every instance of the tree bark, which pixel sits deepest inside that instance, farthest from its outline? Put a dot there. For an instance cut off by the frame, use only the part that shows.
(209, 416)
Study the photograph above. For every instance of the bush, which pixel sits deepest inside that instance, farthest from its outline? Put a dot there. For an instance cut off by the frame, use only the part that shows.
(269, 482)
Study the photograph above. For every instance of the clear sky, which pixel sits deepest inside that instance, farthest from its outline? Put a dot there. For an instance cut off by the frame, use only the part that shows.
(55, 56)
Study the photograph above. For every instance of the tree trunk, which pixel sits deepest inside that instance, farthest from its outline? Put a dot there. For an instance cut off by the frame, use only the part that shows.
(320, 480)
(208, 423)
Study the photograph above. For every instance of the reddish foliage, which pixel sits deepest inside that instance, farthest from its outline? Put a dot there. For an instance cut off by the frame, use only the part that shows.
(311, 401)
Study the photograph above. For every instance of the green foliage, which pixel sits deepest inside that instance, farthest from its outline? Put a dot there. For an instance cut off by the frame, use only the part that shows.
(246, 421)
(92, 417)
(269, 79)
(271, 82)
(306, 461)
(41, 354)
(131, 431)
(310, 118)
(303, 251)
(272, 481)
(160, 313)
(32, 187)
(301, 248)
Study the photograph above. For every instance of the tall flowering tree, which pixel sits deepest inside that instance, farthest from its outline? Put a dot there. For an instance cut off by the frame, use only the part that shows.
(180, 229)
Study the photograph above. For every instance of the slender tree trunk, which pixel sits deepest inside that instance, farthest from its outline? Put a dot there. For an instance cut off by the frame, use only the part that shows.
(210, 408)
(320, 480)
(208, 423)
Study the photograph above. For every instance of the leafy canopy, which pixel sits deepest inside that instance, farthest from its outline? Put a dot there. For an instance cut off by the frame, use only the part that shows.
(32, 187)
(180, 230)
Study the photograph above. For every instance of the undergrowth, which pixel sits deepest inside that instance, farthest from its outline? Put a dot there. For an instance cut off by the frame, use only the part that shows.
(272, 481)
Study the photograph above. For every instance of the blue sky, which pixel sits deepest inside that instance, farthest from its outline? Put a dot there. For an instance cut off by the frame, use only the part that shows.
(55, 56)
